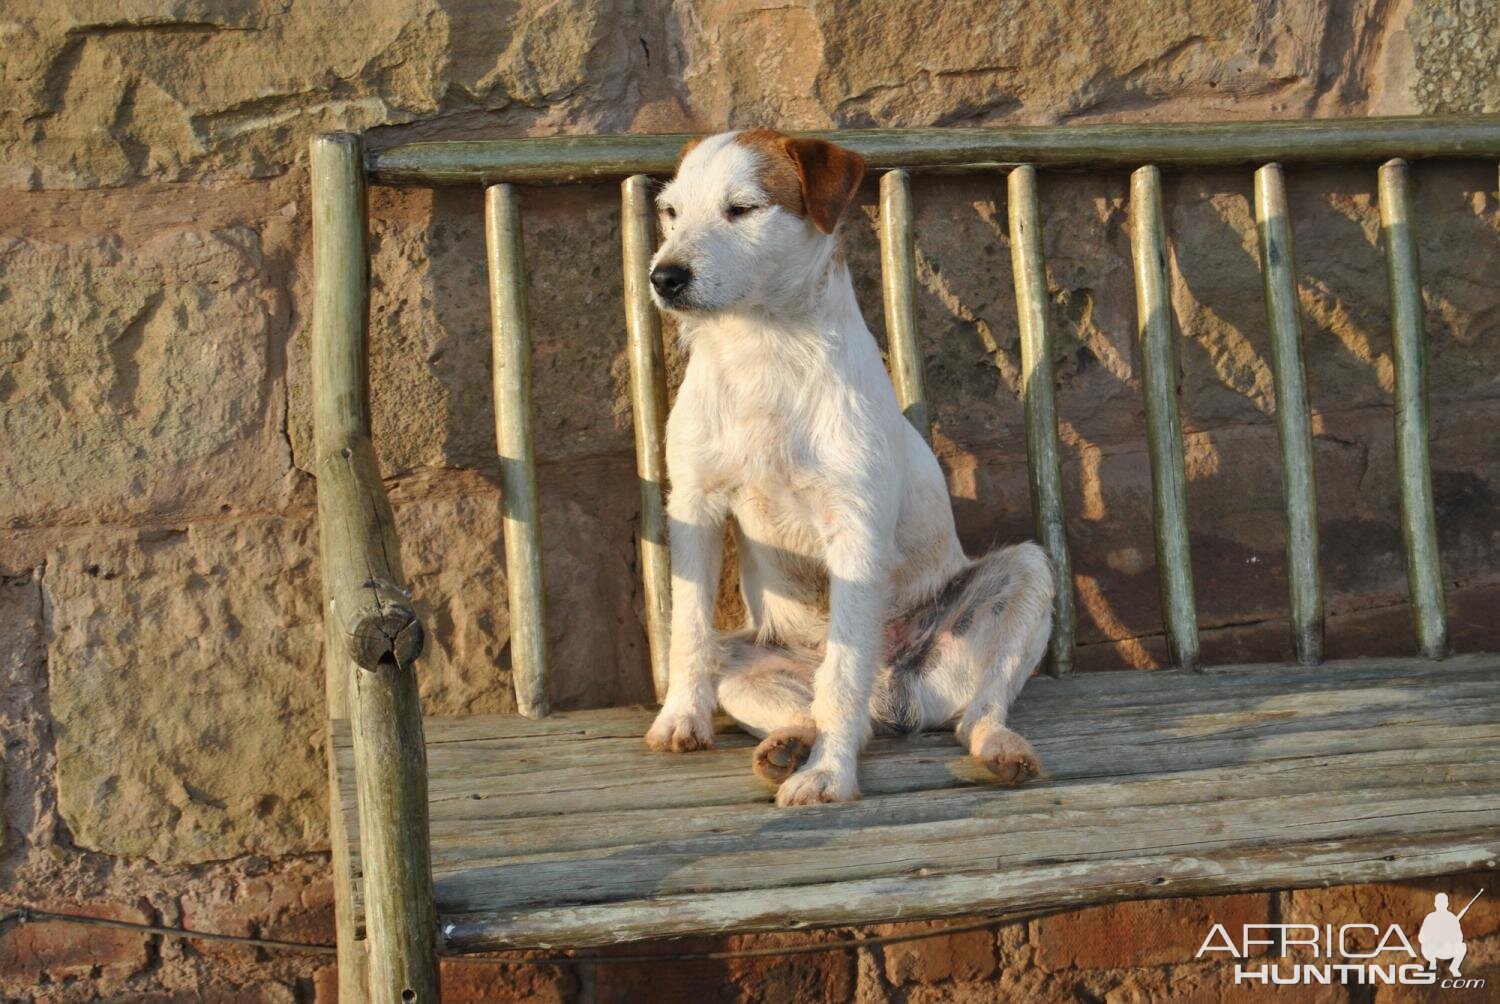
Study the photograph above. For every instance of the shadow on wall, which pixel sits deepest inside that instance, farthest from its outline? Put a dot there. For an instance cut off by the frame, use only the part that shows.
(1226, 397)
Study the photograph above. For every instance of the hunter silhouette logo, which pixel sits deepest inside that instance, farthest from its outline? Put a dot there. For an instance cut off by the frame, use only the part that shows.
(1441, 936)
(1340, 956)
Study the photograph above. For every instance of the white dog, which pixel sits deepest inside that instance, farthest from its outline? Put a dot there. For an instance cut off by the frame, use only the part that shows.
(863, 610)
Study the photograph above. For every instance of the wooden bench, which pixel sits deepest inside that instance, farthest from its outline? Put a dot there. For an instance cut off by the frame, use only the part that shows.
(470, 834)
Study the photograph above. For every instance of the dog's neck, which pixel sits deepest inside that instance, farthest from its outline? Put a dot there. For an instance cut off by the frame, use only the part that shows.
(817, 315)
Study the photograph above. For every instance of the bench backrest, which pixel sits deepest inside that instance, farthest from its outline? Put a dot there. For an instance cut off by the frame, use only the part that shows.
(500, 165)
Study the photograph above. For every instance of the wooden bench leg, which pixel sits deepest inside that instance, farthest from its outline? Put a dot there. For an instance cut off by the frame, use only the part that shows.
(353, 970)
(391, 773)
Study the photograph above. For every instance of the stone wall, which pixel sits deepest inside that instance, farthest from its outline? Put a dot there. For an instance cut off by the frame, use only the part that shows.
(160, 680)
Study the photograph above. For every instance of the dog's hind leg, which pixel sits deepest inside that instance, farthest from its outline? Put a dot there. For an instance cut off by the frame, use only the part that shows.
(1016, 643)
(768, 690)
(970, 651)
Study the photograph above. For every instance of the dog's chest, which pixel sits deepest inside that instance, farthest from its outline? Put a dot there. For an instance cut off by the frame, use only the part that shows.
(762, 432)
(769, 421)
(779, 488)
(792, 510)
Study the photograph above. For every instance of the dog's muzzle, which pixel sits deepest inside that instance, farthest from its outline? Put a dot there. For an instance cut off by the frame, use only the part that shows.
(670, 281)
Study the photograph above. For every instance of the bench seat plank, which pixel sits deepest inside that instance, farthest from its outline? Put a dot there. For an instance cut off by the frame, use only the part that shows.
(567, 831)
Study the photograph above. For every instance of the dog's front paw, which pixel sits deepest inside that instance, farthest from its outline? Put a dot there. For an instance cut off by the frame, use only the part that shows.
(680, 732)
(782, 752)
(813, 785)
(1005, 754)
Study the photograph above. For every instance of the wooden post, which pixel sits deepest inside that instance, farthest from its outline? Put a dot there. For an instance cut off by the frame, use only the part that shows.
(648, 401)
(1293, 419)
(1413, 465)
(512, 372)
(373, 632)
(1163, 425)
(898, 280)
(341, 300)
(1039, 391)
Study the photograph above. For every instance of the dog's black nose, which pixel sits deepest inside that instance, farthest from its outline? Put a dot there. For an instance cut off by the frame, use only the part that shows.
(670, 280)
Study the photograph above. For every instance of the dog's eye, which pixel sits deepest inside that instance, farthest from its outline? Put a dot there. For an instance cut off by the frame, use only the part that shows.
(669, 212)
(735, 212)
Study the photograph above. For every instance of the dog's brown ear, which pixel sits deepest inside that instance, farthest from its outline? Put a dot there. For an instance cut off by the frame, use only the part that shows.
(687, 148)
(830, 176)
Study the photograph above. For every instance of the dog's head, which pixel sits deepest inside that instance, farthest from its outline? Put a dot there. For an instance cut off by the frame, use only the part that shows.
(747, 217)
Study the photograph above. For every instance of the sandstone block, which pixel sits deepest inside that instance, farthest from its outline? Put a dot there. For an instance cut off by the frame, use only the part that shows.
(822, 63)
(139, 377)
(186, 688)
(964, 957)
(1456, 43)
(110, 93)
(52, 951)
(22, 721)
(478, 982)
(1140, 933)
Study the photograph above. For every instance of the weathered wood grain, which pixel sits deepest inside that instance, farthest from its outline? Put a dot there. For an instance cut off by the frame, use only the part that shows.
(368, 607)
(1012, 841)
(1124, 690)
(569, 832)
(365, 602)
(1043, 889)
(561, 159)
(453, 838)
(349, 935)
(394, 863)
(340, 310)
(725, 780)
(700, 829)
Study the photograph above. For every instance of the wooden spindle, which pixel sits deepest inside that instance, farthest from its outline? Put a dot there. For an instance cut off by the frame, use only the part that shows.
(898, 280)
(648, 399)
(1413, 463)
(512, 377)
(1163, 424)
(1038, 391)
(1293, 416)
